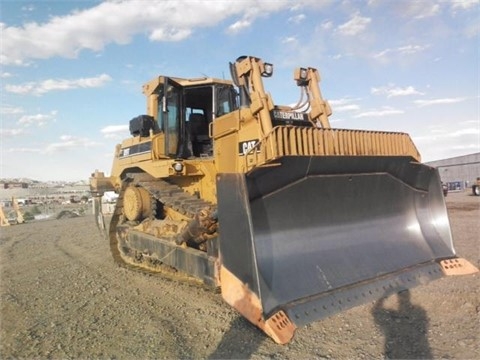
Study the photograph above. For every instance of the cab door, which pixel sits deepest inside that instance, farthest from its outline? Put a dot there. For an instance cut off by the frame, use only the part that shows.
(171, 116)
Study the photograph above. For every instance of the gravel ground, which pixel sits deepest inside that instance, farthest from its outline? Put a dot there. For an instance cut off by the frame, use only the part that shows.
(62, 297)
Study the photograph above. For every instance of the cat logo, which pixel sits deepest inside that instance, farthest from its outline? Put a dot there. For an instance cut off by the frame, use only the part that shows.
(245, 146)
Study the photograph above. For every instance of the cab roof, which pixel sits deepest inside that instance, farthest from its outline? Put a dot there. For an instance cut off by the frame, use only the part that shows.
(151, 86)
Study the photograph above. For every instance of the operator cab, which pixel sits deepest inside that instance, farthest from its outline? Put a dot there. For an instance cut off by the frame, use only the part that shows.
(185, 108)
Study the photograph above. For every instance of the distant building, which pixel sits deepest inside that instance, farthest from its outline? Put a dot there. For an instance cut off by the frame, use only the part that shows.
(458, 172)
(15, 185)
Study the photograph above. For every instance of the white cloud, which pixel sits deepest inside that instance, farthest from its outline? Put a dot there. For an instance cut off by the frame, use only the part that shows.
(392, 91)
(326, 25)
(418, 10)
(290, 39)
(43, 87)
(11, 132)
(467, 147)
(119, 21)
(445, 141)
(38, 119)
(239, 25)
(24, 150)
(439, 101)
(464, 4)
(297, 19)
(448, 133)
(344, 105)
(467, 122)
(354, 26)
(428, 10)
(115, 131)
(10, 110)
(28, 8)
(388, 53)
(469, 135)
(250, 11)
(466, 131)
(385, 111)
(169, 34)
(302, 4)
(114, 128)
(472, 30)
(349, 107)
(5, 75)
(68, 142)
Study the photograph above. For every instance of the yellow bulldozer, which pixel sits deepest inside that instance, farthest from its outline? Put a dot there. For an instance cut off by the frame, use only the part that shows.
(292, 219)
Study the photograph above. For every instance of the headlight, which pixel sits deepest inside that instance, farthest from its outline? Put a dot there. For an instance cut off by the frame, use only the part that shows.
(267, 70)
(303, 73)
(301, 76)
(178, 167)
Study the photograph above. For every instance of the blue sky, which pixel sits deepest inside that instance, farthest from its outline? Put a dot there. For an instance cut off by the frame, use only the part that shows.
(71, 71)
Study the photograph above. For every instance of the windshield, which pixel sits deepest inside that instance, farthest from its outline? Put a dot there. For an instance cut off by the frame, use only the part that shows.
(226, 100)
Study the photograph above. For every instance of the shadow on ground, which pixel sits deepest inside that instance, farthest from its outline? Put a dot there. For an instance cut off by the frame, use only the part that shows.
(405, 328)
(240, 341)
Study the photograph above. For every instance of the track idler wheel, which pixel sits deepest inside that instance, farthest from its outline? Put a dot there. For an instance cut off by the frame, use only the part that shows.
(137, 204)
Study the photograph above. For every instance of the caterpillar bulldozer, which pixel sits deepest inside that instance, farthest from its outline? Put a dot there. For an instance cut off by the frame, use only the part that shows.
(294, 220)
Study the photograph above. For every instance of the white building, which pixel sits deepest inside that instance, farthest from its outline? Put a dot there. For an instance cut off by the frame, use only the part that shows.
(458, 172)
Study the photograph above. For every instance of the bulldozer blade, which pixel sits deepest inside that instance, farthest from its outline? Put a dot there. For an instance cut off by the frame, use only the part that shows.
(98, 213)
(308, 237)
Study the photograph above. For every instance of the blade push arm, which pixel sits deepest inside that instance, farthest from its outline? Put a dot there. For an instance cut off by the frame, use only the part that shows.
(319, 108)
(247, 75)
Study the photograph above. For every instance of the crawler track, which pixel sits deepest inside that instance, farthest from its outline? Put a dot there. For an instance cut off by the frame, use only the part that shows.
(171, 197)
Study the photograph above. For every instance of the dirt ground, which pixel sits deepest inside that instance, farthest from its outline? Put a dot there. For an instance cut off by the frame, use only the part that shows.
(62, 297)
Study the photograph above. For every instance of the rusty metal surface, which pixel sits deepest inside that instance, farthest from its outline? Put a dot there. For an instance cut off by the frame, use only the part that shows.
(457, 266)
(238, 295)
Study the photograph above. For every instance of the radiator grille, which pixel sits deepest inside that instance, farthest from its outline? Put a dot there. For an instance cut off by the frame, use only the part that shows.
(306, 141)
